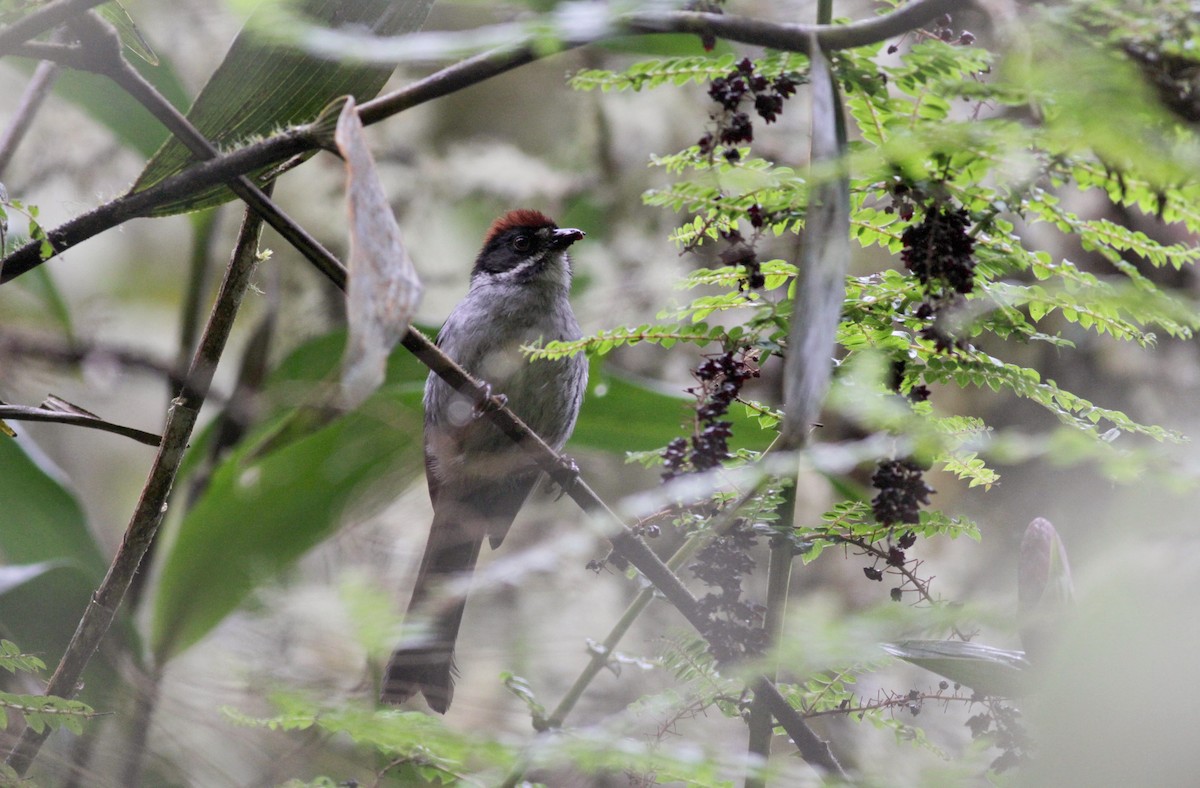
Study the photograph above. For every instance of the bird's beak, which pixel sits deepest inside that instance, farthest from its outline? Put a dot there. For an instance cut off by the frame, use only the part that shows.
(565, 237)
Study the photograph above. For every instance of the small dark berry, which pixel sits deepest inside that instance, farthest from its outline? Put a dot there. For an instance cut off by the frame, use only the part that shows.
(892, 49)
(746, 66)
(907, 540)
(785, 85)
(943, 685)
(897, 594)
(740, 129)
(755, 213)
(967, 38)
(919, 393)
(872, 573)
(895, 557)
(768, 106)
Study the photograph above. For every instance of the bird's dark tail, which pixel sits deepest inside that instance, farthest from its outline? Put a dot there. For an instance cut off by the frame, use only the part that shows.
(464, 514)
(427, 666)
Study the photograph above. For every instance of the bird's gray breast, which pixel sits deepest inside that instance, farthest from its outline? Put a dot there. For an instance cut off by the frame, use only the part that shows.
(487, 343)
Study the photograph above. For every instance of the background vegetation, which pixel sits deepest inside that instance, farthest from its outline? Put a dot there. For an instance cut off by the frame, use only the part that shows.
(830, 269)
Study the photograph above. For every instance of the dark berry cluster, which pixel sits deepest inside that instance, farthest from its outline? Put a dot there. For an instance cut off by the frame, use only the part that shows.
(939, 252)
(742, 252)
(894, 557)
(903, 202)
(721, 379)
(918, 393)
(944, 30)
(734, 125)
(902, 492)
(735, 628)
(1002, 725)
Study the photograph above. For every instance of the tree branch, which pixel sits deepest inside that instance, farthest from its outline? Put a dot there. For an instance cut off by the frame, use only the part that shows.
(46, 18)
(791, 37)
(472, 71)
(50, 350)
(31, 99)
(25, 413)
(152, 504)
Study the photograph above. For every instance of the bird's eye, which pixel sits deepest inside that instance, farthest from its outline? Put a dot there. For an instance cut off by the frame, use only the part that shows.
(522, 243)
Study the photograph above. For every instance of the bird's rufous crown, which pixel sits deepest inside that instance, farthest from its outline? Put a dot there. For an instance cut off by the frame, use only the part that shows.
(522, 217)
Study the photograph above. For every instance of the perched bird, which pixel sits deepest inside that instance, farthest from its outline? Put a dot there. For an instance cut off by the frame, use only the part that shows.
(478, 478)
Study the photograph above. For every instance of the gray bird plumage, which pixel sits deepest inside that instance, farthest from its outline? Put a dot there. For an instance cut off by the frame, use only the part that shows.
(478, 478)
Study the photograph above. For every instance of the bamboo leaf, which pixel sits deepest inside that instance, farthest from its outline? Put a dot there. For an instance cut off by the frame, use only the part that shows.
(262, 86)
(824, 258)
(991, 671)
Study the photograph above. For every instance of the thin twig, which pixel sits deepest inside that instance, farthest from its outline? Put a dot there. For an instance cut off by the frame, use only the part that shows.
(31, 100)
(286, 144)
(152, 504)
(25, 413)
(52, 350)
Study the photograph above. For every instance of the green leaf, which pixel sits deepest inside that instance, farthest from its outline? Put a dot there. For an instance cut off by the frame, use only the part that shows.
(622, 415)
(130, 122)
(115, 14)
(256, 518)
(40, 519)
(262, 86)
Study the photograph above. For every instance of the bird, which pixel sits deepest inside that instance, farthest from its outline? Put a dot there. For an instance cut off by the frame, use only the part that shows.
(478, 478)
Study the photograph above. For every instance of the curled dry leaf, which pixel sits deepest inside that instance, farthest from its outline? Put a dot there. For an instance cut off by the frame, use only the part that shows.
(383, 289)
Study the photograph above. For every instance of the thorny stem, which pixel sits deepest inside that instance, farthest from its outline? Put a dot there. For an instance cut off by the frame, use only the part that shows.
(471, 71)
(921, 586)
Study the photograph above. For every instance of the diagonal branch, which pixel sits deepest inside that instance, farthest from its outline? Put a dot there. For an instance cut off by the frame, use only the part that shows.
(471, 71)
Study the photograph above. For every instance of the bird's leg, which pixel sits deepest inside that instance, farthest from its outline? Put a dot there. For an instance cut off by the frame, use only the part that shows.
(489, 402)
(566, 476)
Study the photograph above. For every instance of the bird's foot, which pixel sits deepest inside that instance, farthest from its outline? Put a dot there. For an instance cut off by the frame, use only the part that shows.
(566, 477)
(489, 402)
